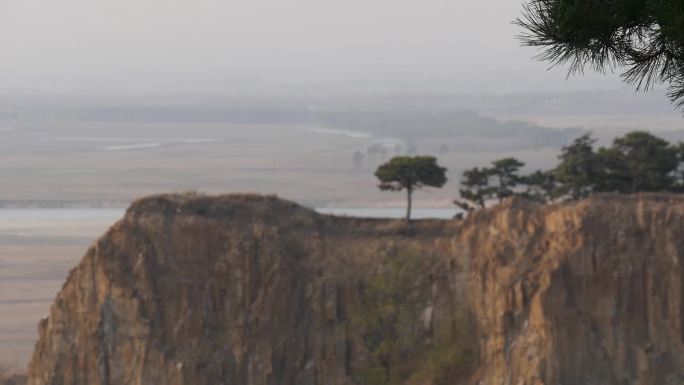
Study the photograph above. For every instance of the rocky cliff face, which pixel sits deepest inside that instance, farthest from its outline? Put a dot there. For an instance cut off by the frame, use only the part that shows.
(258, 291)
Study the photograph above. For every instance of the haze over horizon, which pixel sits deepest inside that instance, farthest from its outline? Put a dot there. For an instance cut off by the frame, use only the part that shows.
(269, 46)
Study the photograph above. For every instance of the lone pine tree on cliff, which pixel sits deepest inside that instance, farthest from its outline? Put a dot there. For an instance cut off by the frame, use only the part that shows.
(410, 173)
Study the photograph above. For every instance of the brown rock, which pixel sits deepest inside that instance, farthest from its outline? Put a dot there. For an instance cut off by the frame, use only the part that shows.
(254, 290)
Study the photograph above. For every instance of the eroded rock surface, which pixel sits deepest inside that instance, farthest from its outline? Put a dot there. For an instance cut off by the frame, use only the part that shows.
(255, 290)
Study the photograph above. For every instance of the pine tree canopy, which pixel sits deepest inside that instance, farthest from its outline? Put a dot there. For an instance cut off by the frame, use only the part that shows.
(643, 38)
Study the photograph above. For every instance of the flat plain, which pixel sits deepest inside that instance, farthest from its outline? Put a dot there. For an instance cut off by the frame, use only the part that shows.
(77, 163)
(37, 250)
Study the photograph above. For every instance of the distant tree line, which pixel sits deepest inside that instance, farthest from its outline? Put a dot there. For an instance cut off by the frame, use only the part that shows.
(446, 124)
(636, 162)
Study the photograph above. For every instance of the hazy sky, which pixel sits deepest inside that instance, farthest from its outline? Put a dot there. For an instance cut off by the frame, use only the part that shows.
(233, 46)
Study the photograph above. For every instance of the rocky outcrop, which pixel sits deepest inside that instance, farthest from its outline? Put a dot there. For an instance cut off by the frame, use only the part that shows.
(255, 290)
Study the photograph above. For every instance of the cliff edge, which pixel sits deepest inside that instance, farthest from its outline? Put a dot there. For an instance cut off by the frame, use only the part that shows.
(242, 289)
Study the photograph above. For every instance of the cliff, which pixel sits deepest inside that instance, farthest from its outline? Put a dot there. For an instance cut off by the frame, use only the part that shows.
(254, 290)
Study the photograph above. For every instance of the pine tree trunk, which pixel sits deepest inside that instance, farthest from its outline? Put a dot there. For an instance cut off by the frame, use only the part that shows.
(409, 191)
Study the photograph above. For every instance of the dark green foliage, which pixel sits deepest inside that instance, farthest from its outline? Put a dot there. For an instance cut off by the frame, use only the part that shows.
(410, 173)
(476, 189)
(679, 173)
(640, 161)
(636, 162)
(646, 37)
(505, 171)
(541, 186)
(481, 184)
(579, 169)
